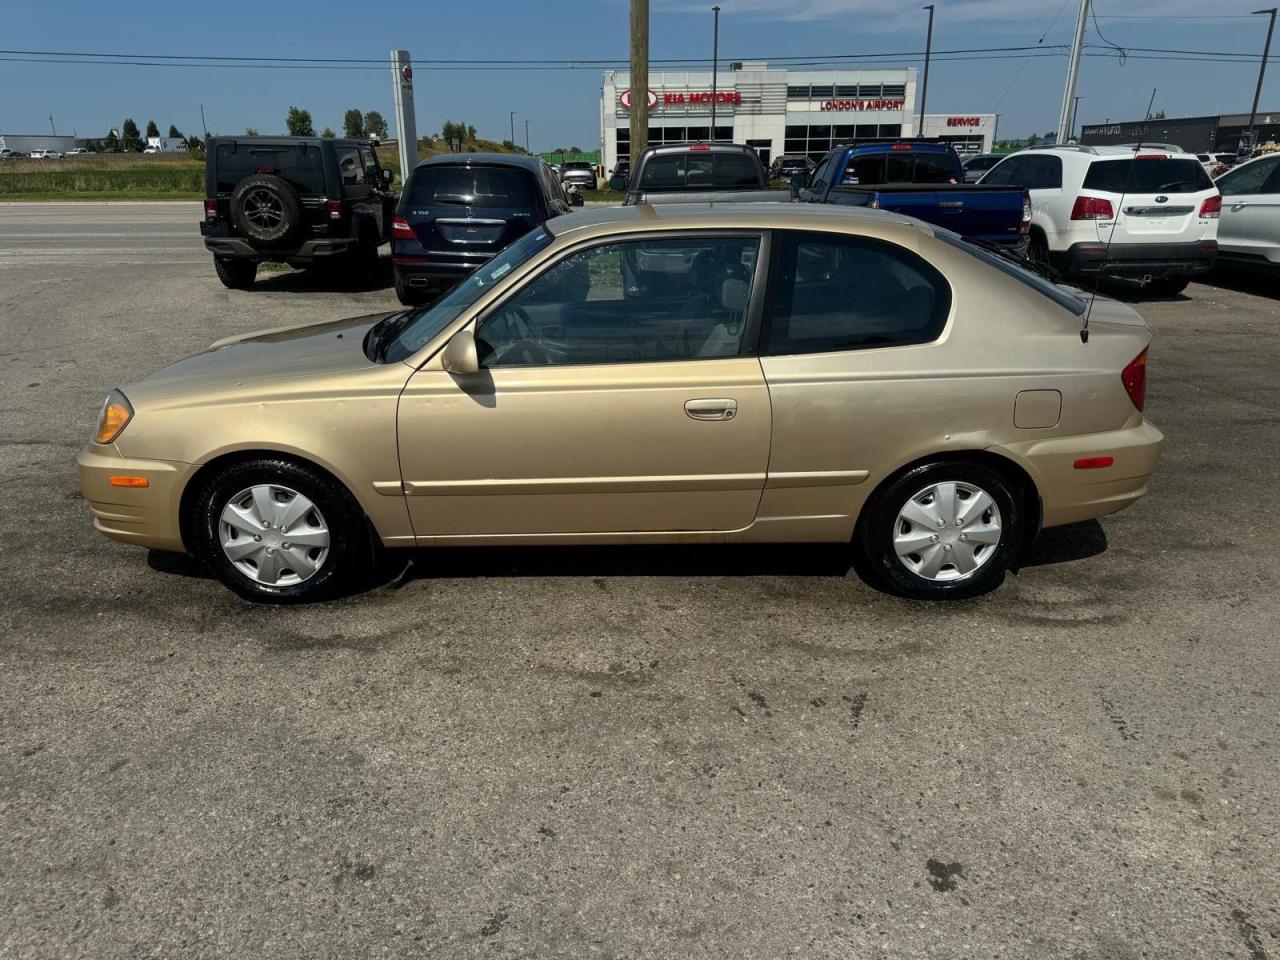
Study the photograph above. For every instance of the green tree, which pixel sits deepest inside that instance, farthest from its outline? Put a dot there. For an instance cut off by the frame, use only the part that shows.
(471, 134)
(327, 132)
(194, 143)
(130, 138)
(175, 132)
(298, 123)
(575, 149)
(353, 124)
(374, 125)
(250, 131)
(152, 129)
(111, 141)
(1033, 140)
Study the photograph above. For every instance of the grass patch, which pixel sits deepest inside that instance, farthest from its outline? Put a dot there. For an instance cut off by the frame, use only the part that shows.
(105, 179)
(603, 196)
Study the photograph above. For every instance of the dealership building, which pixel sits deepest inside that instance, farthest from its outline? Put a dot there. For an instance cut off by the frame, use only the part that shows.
(779, 111)
(1209, 134)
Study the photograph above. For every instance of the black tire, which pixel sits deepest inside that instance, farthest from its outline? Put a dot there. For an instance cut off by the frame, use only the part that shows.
(880, 524)
(410, 296)
(235, 274)
(266, 208)
(365, 261)
(351, 550)
(1038, 249)
(1168, 286)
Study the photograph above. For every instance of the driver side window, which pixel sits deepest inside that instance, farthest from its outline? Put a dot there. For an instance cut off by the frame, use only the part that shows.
(640, 301)
(1249, 179)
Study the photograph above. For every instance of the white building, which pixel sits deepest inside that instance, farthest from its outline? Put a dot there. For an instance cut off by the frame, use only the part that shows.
(969, 133)
(28, 142)
(776, 111)
(166, 145)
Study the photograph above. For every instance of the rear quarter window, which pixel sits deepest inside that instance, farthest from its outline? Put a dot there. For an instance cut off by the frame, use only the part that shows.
(1045, 288)
(1164, 175)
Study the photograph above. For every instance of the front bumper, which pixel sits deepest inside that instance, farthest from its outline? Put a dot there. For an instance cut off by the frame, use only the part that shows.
(146, 516)
(1137, 260)
(1070, 495)
(241, 249)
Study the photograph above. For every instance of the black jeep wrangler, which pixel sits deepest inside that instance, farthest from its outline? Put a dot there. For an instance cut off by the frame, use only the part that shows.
(303, 200)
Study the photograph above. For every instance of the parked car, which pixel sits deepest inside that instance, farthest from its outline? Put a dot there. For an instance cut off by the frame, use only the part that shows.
(45, 155)
(303, 200)
(922, 179)
(78, 152)
(1249, 229)
(789, 164)
(698, 173)
(1163, 233)
(976, 166)
(459, 209)
(7, 154)
(579, 173)
(648, 375)
(621, 172)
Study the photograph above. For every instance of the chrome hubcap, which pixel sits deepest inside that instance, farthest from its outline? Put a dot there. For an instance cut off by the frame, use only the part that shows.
(274, 535)
(947, 531)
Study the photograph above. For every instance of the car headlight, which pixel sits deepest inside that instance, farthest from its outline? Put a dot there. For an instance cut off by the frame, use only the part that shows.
(116, 414)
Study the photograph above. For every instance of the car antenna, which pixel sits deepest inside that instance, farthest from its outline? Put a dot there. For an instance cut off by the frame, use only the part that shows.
(1084, 330)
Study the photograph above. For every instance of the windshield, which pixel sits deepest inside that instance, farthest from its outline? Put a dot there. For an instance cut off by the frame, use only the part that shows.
(422, 327)
(471, 186)
(1009, 268)
(1147, 175)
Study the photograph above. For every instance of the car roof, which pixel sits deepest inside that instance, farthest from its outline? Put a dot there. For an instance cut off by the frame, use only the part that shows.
(487, 159)
(730, 215)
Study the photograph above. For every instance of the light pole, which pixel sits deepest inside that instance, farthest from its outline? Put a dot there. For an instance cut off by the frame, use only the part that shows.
(1262, 69)
(928, 52)
(715, 67)
(1073, 71)
(526, 137)
(1075, 108)
(513, 128)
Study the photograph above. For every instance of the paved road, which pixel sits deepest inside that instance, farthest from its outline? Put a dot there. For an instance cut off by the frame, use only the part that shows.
(629, 753)
(125, 233)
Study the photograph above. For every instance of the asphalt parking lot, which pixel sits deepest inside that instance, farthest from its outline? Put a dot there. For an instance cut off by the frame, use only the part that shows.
(625, 753)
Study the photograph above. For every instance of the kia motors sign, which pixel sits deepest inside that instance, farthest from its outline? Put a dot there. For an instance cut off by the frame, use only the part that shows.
(863, 105)
(731, 97)
(624, 99)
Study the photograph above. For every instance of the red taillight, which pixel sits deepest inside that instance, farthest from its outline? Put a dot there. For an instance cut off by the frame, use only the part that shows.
(1091, 208)
(1211, 209)
(401, 230)
(1151, 156)
(901, 146)
(1026, 213)
(335, 209)
(1093, 463)
(1134, 378)
(700, 146)
(210, 208)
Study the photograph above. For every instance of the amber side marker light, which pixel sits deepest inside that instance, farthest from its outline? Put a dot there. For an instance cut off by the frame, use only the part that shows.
(130, 482)
(1093, 463)
(116, 414)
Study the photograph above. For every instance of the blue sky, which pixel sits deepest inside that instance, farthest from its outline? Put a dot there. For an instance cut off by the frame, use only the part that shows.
(562, 105)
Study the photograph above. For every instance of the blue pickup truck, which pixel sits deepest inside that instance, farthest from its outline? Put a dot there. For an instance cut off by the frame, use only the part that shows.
(922, 179)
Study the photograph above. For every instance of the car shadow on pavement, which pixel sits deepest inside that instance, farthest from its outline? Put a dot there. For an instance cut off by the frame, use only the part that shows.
(325, 278)
(1253, 282)
(1131, 291)
(1075, 541)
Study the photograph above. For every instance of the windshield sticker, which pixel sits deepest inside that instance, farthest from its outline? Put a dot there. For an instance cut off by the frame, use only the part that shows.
(499, 272)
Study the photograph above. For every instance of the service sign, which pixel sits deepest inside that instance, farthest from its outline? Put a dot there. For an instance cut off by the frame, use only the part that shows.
(964, 121)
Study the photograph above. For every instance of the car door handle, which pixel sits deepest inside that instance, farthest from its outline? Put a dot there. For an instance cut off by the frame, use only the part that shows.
(711, 409)
(1238, 206)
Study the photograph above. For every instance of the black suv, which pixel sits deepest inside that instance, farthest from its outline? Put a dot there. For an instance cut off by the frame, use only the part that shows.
(459, 209)
(304, 200)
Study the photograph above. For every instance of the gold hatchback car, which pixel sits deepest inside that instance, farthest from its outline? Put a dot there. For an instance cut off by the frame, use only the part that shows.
(682, 374)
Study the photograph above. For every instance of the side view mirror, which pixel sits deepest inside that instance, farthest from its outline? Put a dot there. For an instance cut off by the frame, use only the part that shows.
(460, 357)
(575, 198)
(798, 179)
(618, 183)
(387, 177)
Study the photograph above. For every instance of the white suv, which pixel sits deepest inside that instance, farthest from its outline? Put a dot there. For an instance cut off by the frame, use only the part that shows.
(1154, 206)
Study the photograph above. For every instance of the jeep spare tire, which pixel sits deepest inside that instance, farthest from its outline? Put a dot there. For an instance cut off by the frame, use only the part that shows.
(266, 208)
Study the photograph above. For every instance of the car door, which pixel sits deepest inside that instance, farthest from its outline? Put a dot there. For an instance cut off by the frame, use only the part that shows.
(1250, 207)
(848, 351)
(619, 394)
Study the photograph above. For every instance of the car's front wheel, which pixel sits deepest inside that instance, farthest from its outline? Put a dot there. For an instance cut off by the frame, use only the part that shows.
(280, 531)
(943, 530)
(235, 274)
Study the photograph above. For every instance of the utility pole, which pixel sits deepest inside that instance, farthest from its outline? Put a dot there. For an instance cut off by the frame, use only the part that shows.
(513, 128)
(639, 23)
(1075, 109)
(526, 137)
(715, 68)
(55, 131)
(203, 126)
(928, 52)
(1073, 71)
(1262, 69)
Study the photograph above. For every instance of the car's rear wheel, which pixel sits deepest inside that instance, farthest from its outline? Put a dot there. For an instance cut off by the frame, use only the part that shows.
(1038, 249)
(280, 532)
(235, 274)
(943, 530)
(1168, 286)
(411, 296)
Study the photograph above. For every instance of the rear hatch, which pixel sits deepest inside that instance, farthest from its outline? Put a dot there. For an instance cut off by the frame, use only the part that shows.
(1154, 198)
(470, 210)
